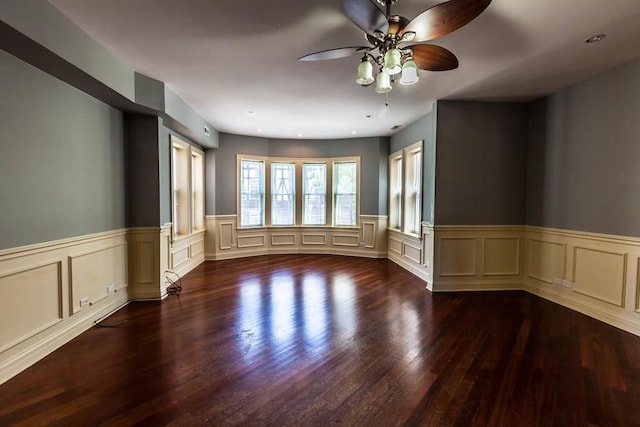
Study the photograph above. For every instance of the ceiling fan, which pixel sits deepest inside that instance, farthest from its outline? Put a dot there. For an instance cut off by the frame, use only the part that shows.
(396, 45)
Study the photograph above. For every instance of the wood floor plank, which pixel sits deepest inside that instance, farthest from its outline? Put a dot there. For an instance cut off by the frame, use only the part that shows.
(323, 340)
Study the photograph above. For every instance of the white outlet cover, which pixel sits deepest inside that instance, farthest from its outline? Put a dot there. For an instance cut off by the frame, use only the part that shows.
(84, 301)
(566, 283)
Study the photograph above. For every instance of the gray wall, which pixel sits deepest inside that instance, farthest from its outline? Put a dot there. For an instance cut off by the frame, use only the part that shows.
(480, 163)
(62, 159)
(584, 146)
(370, 150)
(421, 130)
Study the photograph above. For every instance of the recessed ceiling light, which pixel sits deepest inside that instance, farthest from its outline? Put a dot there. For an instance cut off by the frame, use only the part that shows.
(596, 38)
(353, 132)
(259, 130)
(299, 135)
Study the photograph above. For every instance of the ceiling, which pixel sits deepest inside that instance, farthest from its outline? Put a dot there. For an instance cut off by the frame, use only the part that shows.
(236, 62)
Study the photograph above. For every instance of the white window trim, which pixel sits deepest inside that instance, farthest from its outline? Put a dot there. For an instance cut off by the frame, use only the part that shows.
(404, 156)
(184, 226)
(298, 162)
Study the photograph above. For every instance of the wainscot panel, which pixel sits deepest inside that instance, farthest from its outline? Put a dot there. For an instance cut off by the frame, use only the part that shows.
(186, 254)
(587, 272)
(224, 240)
(42, 286)
(413, 253)
(478, 258)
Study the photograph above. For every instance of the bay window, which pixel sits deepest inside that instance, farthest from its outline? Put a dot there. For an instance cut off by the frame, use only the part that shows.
(298, 192)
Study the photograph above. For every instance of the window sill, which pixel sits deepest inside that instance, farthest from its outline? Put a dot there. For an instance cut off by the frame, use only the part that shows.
(404, 234)
(301, 227)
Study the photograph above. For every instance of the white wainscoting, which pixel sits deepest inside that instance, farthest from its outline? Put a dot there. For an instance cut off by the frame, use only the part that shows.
(413, 253)
(478, 258)
(42, 286)
(149, 255)
(224, 240)
(186, 254)
(594, 274)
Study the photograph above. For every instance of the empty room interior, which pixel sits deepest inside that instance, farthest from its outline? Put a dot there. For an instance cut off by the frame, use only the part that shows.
(328, 212)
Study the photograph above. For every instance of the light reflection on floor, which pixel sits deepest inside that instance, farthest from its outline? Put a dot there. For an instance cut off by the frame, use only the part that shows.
(294, 313)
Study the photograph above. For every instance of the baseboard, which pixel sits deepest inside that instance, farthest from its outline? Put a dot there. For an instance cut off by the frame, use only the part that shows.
(627, 321)
(466, 286)
(75, 325)
(412, 268)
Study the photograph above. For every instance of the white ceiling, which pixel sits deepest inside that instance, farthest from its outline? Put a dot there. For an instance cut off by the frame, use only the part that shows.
(236, 62)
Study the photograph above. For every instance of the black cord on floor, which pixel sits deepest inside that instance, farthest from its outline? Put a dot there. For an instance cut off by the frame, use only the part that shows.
(175, 286)
(118, 325)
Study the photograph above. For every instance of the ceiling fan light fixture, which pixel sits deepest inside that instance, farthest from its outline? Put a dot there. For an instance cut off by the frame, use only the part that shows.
(383, 82)
(365, 73)
(409, 73)
(392, 60)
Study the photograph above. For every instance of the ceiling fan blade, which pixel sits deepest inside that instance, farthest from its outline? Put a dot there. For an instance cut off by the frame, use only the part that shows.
(366, 15)
(444, 18)
(341, 52)
(433, 58)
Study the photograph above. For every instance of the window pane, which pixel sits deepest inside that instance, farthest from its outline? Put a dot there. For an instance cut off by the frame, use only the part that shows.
(314, 187)
(345, 184)
(197, 192)
(251, 193)
(345, 209)
(282, 194)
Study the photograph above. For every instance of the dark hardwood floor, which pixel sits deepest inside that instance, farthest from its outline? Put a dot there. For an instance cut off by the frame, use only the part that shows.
(322, 340)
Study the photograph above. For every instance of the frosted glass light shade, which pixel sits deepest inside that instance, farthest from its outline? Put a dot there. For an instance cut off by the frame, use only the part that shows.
(383, 82)
(392, 61)
(365, 73)
(409, 73)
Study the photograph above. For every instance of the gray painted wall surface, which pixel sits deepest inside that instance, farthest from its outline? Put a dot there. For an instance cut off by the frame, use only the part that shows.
(369, 149)
(424, 130)
(480, 163)
(42, 22)
(583, 156)
(143, 171)
(188, 122)
(61, 162)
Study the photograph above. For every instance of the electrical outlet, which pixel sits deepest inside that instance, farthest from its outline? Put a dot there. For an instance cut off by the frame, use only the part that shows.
(84, 301)
(111, 288)
(362, 243)
(557, 281)
(567, 284)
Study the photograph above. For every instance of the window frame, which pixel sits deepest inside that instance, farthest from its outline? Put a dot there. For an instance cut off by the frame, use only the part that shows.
(335, 193)
(406, 182)
(187, 185)
(273, 193)
(264, 184)
(304, 194)
(298, 186)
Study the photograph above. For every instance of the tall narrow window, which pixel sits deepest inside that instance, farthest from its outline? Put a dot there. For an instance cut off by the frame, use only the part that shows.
(197, 191)
(314, 188)
(251, 193)
(282, 193)
(345, 197)
(180, 188)
(395, 190)
(187, 188)
(413, 188)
